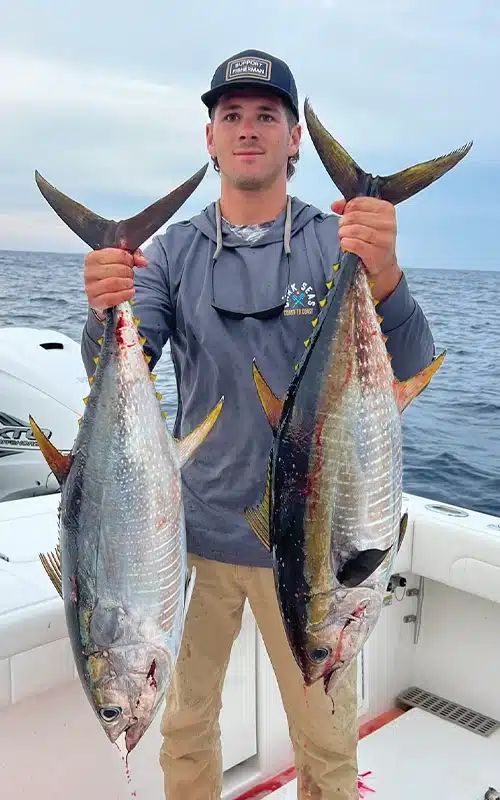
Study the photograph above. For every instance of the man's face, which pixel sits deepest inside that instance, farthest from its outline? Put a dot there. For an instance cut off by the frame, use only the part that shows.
(251, 138)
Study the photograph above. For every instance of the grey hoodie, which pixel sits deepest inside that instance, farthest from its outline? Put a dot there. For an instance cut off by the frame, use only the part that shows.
(223, 302)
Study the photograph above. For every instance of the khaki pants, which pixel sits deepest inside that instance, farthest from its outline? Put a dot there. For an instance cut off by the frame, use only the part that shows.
(325, 745)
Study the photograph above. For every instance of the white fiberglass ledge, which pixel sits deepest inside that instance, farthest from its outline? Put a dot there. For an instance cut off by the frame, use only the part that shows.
(456, 547)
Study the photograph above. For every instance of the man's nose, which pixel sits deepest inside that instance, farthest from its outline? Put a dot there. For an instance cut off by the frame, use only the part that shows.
(247, 130)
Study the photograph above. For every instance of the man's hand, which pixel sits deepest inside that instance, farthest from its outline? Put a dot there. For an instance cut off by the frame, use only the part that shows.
(368, 229)
(109, 277)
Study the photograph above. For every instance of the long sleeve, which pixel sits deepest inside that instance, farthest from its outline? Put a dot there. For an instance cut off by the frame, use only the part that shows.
(410, 341)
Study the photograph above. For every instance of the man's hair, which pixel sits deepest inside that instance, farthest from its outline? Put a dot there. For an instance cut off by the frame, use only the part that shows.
(292, 121)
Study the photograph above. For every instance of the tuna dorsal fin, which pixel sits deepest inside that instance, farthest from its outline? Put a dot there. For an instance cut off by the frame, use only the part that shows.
(352, 181)
(258, 518)
(59, 463)
(360, 567)
(127, 234)
(271, 404)
(188, 446)
(406, 391)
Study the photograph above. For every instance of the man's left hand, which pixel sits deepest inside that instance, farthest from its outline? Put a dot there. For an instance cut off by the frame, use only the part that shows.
(368, 228)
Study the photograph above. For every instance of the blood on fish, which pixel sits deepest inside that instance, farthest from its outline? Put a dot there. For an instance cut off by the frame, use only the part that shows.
(151, 674)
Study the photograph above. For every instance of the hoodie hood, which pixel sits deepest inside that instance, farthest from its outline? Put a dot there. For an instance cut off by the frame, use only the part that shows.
(243, 283)
(291, 220)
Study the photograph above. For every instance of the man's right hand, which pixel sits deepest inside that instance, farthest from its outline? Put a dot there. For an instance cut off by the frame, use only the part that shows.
(109, 277)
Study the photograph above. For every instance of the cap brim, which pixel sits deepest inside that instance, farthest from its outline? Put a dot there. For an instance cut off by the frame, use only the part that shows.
(210, 98)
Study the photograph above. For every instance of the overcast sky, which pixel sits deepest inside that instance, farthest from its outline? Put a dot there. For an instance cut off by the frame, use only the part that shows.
(105, 102)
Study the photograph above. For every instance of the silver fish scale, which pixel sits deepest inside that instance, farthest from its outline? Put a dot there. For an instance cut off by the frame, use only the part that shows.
(132, 529)
(361, 435)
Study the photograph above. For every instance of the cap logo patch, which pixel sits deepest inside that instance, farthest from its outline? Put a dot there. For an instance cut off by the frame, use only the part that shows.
(248, 67)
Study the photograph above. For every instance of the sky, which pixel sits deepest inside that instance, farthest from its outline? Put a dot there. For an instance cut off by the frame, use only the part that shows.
(103, 98)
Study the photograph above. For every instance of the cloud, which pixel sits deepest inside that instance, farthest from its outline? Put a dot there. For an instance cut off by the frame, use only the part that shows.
(107, 105)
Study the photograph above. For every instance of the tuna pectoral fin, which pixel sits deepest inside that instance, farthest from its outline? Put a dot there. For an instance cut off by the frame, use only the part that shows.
(258, 518)
(406, 391)
(271, 404)
(360, 567)
(189, 591)
(402, 530)
(191, 442)
(59, 463)
(128, 234)
(353, 181)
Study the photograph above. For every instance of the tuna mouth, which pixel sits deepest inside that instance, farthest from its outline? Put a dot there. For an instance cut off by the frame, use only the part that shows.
(133, 735)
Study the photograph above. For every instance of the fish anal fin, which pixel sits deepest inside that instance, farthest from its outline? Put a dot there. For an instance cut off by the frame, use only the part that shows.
(59, 463)
(360, 567)
(271, 404)
(258, 518)
(406, 391)
(188, 446)
(127, 234)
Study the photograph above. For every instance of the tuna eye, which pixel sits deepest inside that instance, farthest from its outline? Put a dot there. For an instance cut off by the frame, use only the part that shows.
(319, 653)
(110, 713)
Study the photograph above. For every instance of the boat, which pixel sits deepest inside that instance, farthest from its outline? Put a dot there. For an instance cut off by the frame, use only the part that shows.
(428, 702)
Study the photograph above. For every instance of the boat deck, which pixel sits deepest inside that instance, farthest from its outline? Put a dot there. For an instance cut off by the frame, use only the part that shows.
(421, 756)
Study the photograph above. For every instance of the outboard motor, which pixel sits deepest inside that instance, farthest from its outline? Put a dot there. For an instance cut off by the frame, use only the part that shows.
(42, 375)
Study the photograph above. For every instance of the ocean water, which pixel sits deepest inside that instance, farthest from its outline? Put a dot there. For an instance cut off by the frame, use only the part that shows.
(451, 431)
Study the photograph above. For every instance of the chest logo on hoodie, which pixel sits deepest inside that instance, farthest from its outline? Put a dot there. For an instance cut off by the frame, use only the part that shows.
(300, 300)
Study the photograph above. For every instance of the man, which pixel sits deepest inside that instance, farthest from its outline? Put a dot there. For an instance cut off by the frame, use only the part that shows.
(243, 280)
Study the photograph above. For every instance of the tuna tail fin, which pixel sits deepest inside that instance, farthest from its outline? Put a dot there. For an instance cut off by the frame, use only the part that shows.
(406, 391)
(352, 181)
(190, 443)
(127, 234)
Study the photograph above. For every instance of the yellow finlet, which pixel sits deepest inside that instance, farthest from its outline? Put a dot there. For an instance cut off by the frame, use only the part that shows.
(159, 396)
(384, 338)
(371, 284)
(375, 301)
(137, 321)
(96, 360)
(142, 340)
(314, 322)
(153, 376)
(380, 319)
(100, 340)
(132, 301)
(323, 302)
(79, 421)
(147, 358)
(335, 267)
(91, 379)
(164, 414)
(86, 400)
(307, 343)
(329, 284)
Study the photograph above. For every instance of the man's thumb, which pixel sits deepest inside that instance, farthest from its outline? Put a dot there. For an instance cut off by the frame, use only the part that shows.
(338, 206)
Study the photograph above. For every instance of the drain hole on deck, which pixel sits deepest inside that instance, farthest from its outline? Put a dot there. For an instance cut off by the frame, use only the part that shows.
(414, 697)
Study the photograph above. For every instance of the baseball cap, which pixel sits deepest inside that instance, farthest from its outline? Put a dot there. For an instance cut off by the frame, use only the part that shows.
(253, 68)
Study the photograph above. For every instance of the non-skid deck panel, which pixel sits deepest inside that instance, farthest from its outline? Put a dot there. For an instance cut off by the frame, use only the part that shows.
(421, 756)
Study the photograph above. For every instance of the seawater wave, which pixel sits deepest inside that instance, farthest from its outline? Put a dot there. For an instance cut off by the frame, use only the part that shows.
(451, 432)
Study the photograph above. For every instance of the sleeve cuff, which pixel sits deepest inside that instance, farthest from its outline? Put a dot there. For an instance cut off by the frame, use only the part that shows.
(94, 327)
(397, 308)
